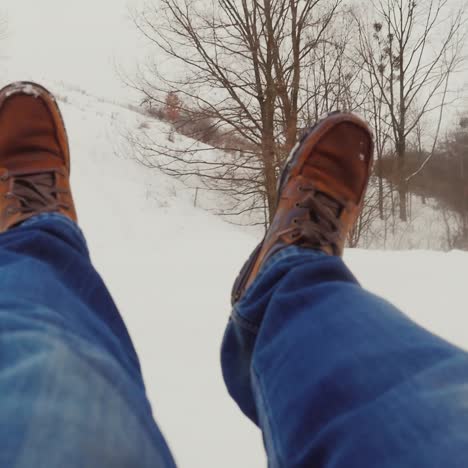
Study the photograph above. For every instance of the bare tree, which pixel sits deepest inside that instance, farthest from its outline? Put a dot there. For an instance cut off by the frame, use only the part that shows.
(333, 73)
(374, 108)
(410, 50)
(247, 66)
(456, 147)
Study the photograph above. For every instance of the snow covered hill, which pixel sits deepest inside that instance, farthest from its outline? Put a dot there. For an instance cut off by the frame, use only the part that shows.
(170, 267)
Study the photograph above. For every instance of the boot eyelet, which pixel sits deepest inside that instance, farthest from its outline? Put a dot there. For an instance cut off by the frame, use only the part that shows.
(4, 177)
(8, 195)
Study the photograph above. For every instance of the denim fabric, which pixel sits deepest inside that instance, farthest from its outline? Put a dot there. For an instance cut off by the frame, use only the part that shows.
(339, 378)
(72, 393)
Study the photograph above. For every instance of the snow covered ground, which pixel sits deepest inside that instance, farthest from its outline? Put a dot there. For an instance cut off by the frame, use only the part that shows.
(170, 266)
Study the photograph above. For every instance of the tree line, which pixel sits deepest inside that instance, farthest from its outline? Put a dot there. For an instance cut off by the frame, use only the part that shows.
(249, 76)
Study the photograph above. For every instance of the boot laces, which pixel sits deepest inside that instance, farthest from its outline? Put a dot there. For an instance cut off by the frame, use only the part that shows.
(36, 192)
(323, 228)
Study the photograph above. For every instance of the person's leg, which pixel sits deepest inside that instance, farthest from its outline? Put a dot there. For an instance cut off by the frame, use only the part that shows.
(337, 377)
(334, 376)
(70, 380)
(72, 394)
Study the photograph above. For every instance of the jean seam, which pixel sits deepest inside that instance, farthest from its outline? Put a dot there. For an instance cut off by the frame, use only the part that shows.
(244, 323)
(72, 233)
(277, 258)
(288, 253)
(236, 315)
(38, 219)
(268, 420)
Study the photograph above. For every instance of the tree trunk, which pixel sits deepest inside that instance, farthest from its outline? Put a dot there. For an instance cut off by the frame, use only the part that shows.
(268, 157)
(270, 185)
(381, 187)
(402, 184)
(402, 194)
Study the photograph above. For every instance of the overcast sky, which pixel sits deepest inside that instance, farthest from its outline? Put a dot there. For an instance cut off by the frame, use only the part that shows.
(76, 41)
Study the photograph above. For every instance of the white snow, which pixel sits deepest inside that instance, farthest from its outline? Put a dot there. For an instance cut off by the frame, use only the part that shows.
(170, 266)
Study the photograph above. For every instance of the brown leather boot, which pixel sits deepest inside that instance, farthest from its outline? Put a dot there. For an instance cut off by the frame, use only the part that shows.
(320, 193)
(34, 156)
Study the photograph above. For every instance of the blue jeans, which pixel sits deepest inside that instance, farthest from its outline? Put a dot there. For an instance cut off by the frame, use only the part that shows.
(338, 378)
(334, 376)
(71, 389)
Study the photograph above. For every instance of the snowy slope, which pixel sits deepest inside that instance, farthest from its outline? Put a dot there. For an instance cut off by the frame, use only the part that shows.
(170, 267)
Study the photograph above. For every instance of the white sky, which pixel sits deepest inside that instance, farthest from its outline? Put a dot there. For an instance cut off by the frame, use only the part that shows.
(74, 41)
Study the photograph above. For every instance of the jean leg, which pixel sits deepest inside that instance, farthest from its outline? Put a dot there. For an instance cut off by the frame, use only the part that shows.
(337, 377)
(70, 380)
